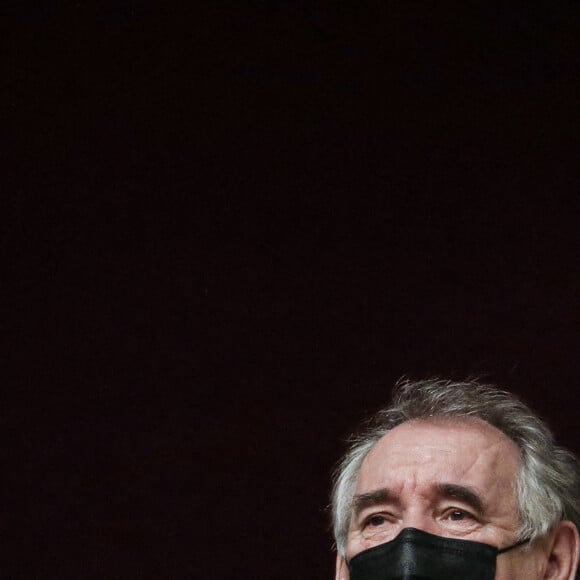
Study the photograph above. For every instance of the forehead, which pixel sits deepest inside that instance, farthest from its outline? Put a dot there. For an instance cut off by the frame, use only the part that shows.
(467, 452)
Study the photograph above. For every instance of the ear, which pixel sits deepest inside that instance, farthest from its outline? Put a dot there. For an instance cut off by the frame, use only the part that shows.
(564, 554)
(341, 569)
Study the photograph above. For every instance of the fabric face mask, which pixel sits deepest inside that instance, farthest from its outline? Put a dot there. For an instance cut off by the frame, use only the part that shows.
(417, 555)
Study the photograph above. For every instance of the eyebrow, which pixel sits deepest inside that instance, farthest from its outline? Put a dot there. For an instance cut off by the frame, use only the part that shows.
(466, 495)
(462, 493)
(372, 498)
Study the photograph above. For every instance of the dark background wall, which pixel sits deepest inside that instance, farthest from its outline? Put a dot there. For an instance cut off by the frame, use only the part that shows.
(226, 232)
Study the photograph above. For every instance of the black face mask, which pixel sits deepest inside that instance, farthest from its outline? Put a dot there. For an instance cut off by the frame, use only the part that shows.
(417, 555)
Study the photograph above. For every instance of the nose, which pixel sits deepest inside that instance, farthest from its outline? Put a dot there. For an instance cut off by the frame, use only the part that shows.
(421, 520)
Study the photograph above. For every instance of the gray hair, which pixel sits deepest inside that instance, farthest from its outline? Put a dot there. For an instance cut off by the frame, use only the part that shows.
(548, 484)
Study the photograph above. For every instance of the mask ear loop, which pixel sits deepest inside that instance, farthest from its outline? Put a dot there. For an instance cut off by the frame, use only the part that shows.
(513, 546)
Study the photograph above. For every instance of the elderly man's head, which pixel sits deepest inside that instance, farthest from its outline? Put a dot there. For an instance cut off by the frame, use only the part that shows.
(462, 469)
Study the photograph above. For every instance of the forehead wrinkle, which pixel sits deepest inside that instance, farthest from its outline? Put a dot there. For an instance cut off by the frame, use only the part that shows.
(489, 449)
(498, 459)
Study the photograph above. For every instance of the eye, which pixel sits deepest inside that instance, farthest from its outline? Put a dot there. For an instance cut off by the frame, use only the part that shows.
(376, 520)
(459, 515)
(378, 526)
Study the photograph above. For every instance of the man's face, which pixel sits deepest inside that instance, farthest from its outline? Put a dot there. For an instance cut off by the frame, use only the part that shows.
(450, 478)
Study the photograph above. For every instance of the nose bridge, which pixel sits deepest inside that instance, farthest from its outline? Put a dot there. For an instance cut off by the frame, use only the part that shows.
(419, 516)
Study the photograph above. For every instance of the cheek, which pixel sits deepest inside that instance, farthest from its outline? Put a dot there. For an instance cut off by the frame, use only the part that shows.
(518, 567)
(353, 548)
(356, 545)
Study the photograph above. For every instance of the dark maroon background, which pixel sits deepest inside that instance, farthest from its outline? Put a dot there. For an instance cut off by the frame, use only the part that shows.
(228, 230)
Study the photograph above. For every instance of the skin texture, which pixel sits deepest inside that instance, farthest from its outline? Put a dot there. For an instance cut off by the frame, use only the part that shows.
(415, 459)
